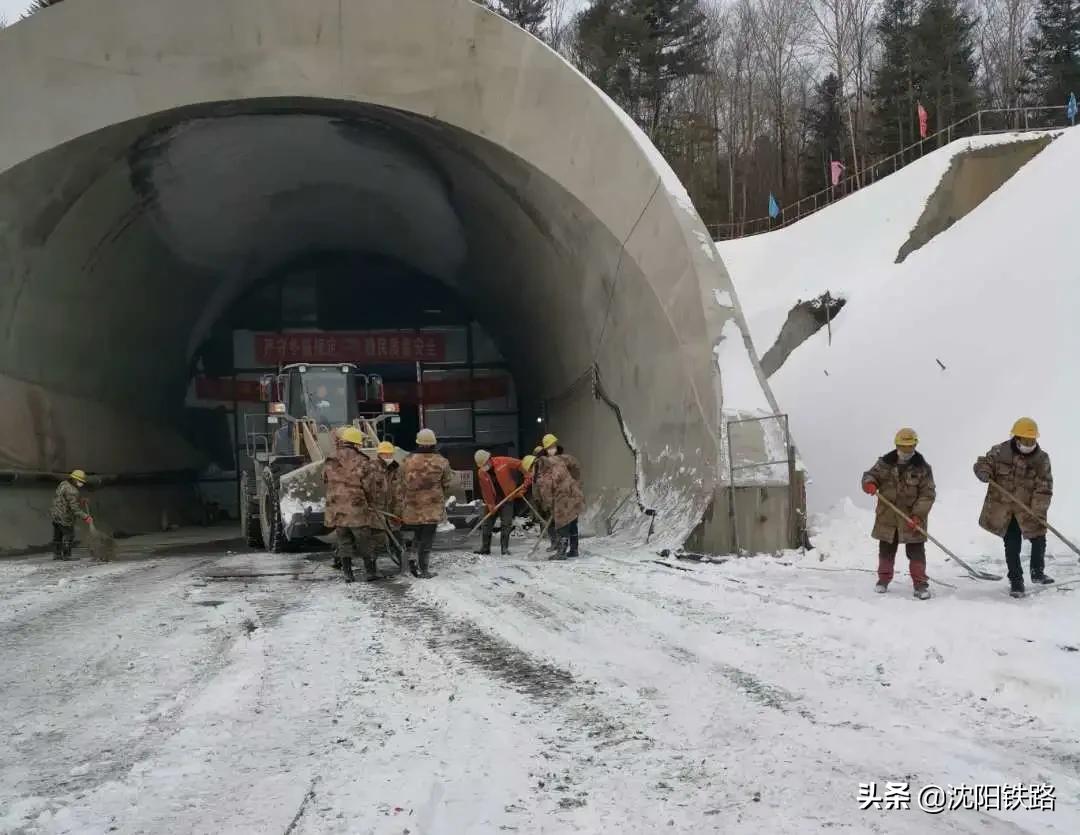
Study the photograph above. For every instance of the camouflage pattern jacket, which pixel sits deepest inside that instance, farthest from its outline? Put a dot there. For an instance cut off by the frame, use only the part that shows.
(384, 490)
(910, 487)
(560, 490)
(346, 502)
(428, 478)
(66, 507)
(1028, 477)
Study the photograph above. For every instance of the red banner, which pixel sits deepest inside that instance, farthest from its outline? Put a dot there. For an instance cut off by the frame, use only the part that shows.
(379, 347)
(227, 390)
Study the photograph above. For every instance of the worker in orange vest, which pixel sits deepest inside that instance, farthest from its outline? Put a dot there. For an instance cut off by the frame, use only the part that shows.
(499, 476)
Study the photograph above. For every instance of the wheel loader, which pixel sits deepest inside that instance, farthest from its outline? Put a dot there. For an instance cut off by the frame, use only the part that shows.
(282, 493)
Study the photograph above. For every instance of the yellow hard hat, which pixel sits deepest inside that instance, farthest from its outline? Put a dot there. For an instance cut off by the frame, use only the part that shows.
(352, 435)
(78, 475)
(527, 463)
(425, 437)
(1026, 428)
(386, 448)
(549, 441)
(538, 450)
(907, 437)
(481, 457)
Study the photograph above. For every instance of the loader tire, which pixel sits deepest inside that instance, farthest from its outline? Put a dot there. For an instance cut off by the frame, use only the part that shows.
(249, 511)
(273, 533)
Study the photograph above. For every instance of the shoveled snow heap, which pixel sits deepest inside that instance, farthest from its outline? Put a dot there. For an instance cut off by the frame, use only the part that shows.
(994, 299)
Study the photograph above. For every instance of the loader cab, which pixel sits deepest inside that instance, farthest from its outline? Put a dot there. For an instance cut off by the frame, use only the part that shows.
(325, 394)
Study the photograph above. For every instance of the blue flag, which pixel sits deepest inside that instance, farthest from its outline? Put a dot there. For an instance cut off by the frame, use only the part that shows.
(1070, 109)
(774, 208)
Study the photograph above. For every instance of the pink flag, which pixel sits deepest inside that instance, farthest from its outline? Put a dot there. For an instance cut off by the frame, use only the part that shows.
(837, 169)
(922, 121)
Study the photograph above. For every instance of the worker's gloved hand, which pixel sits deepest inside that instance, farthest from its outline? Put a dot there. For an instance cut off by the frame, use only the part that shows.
(914, 523)
(89, 520)
(870, 488)
(984, 477)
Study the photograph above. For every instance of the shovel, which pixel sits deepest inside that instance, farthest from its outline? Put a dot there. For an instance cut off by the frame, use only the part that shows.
(1041, 521)
(515, 495)
(978, 575)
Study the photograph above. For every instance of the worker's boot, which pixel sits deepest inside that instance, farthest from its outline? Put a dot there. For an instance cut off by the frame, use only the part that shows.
(371, 571)
(504, 543)
(560, 550)
(485, 542)
(346, 567)
(573, 552)
(337, 560)
(425, 566)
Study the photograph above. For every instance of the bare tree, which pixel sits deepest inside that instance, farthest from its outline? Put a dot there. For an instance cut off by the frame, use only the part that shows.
(560, 20)
(780, 29)
(1006, 25)
(844, 36)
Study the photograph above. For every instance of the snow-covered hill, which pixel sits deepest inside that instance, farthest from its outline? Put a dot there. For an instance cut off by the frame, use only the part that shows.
(994, 299)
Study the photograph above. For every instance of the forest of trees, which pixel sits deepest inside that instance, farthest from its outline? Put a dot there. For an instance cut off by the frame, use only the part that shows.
(747, 98)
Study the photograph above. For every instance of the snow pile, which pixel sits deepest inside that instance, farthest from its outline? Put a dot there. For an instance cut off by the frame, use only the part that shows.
(992, 299)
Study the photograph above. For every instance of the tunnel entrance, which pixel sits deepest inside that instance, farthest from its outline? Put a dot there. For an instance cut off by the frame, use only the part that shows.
(241, 147)
(415, 339)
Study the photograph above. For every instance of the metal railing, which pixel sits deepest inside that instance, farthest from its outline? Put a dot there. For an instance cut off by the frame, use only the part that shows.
(983, 122)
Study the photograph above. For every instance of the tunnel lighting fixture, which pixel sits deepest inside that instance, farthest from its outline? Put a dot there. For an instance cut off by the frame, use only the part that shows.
(277, 408)
(539, 420)
(391, 408)
(433, 311)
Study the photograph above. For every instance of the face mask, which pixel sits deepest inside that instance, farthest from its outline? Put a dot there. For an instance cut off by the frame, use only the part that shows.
(386, 461)
(905, 456)
(1026, 448)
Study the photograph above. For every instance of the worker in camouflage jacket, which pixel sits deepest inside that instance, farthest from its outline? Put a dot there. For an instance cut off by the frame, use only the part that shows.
(427, 481)
(561, 495)
(539, 459)
(905, 479)
(66, 508)
(1022, 467)
(363, 496)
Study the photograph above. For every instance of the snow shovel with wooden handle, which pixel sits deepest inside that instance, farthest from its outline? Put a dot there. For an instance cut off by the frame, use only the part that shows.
(1041, 521)
(515, 495)
(978, 575)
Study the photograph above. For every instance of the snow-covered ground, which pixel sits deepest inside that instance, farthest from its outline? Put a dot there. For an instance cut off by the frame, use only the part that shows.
(605, 694)
(970, 332)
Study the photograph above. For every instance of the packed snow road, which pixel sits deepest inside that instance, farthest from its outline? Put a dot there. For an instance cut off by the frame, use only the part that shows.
(197, 690)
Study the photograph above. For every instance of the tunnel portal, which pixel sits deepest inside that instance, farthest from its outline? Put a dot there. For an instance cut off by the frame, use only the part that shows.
(190, 196)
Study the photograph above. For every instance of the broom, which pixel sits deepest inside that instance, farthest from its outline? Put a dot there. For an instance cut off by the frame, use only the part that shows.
(102, 545)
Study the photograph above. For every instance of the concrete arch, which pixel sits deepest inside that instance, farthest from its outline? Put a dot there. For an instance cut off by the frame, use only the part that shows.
(524, 187)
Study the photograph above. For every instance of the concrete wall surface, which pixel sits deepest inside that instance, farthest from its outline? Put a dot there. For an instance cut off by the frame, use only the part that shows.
(157, 159)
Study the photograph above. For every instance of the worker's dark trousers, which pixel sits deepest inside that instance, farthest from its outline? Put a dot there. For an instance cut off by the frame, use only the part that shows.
(568, 539)
(506, 524)
(62, 537)
(1014, 539)
(425, 539)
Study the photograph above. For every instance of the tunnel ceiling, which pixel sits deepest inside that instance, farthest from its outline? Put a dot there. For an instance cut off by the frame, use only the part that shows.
(160, 158)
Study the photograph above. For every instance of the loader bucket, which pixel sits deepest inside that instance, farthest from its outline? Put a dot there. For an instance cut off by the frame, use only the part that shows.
(302, 500)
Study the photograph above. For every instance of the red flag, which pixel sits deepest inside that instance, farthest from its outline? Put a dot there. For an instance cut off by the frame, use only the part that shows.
(836, 168)
(922, 121)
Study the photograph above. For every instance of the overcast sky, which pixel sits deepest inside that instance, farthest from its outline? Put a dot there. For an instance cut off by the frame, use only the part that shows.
(11, 10)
